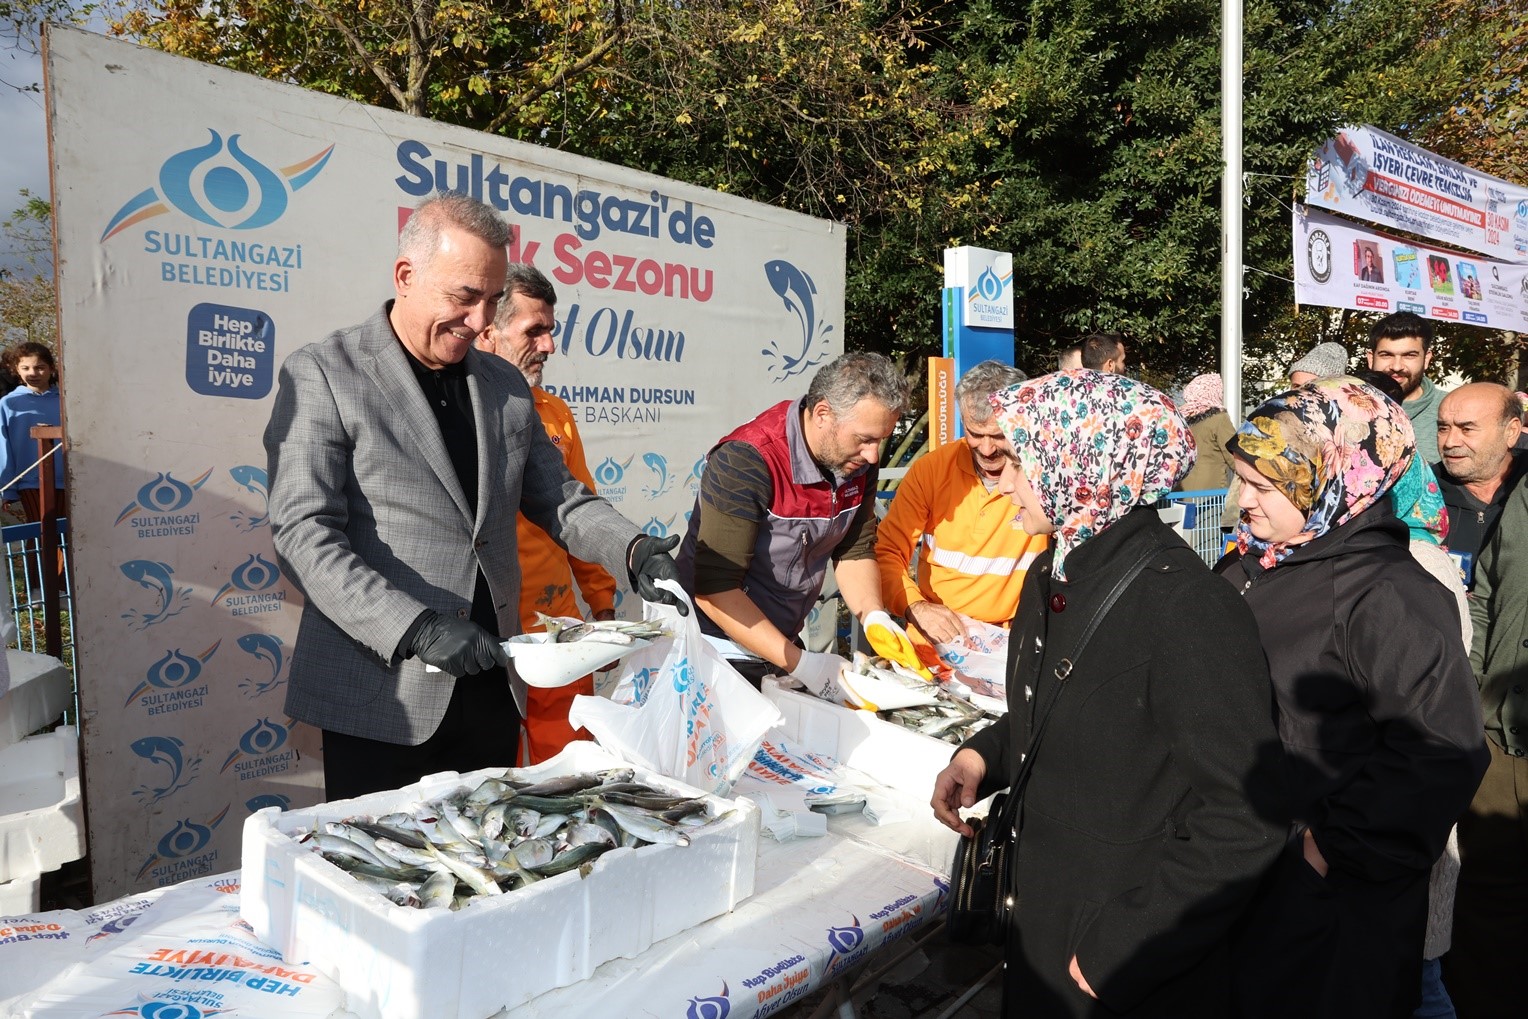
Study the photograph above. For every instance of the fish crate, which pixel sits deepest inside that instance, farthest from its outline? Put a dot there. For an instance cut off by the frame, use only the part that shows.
(891, 754)
(42, 818)
(497, 952)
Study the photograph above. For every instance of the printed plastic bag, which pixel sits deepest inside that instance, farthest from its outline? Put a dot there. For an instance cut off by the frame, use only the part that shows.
(980, 661)
(695, 719)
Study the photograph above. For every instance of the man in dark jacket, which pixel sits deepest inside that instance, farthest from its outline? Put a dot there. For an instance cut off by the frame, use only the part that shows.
(1478, 428)
(1483, 968)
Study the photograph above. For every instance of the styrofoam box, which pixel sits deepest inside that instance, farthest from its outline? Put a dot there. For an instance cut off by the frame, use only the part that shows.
(40, 689)
(498, 952)
(893, 755)
(42, 823)
(21, 895)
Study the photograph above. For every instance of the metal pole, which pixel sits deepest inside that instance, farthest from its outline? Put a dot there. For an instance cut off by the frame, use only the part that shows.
(1231, 205)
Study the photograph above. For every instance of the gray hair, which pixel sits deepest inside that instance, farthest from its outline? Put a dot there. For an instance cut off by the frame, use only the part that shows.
(980, 382)
(420, 237)
(523, 279)
(850, 378)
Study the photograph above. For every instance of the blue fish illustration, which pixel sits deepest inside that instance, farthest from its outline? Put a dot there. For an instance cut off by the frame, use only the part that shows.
(659, 466)
(797, 290)
(157, 578)
(267, 648)
(252, 479)
(165, 750)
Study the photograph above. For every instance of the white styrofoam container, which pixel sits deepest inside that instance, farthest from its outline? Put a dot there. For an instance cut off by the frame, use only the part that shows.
(21, 895)
(897, 757)
(394, 962)
(42, 822)
(40, 688)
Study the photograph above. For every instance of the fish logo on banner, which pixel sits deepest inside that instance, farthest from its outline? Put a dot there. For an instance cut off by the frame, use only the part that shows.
(846, 943)
(173, 675)
(657, 528)
(658, 464)
(155, 511)
(167, 752)
(796, 289)
(252, 580)
(608, 475)
(260, 752)
(168, 1010)
(221, 186)
(252, 479)
(718, 1007)
(182, 852)
(278, 800)
(169, 600)
(693, 481)
(266, 648)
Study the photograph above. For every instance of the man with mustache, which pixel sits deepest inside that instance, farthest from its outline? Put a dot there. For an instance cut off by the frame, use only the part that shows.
(521, 334)
(1400, 345)
(1478, 430)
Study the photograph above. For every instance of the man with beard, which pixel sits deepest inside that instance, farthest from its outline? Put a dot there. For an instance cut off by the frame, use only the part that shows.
(1478, 429)
(780, 498)
(1400, 345)
(973, 557)
(521, 334)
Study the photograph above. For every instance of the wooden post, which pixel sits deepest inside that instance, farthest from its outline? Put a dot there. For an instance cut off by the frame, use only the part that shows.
(49, 437)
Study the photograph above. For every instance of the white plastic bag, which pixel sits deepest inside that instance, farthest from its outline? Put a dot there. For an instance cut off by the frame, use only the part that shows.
(980, 660)
(695, 719)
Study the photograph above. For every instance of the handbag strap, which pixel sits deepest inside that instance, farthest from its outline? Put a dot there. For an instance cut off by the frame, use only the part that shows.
(1064, 669)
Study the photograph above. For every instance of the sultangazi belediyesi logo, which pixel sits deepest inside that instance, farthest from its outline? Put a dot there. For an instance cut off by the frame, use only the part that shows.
(220, 185)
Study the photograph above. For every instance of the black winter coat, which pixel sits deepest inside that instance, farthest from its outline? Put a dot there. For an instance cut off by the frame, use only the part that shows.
(1153, 806)
(1380, 719)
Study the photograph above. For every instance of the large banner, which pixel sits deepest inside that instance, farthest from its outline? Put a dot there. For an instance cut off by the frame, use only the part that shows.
(209, 223)
(1339, 264)
(1376, 177)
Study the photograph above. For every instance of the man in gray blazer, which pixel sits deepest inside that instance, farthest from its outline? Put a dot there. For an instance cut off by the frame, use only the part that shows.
(399, 457)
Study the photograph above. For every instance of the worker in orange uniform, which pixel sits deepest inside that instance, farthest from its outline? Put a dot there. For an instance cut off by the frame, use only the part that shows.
(973, 556)
(522, 335)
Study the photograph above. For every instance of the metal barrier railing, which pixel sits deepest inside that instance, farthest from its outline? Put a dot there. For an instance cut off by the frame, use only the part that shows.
(1202, 510)
(23, 560)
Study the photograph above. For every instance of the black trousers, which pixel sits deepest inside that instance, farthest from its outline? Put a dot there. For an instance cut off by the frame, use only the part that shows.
(481, 729)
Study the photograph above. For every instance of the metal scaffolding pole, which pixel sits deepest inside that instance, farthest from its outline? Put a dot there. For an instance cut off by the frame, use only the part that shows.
(1231, 205)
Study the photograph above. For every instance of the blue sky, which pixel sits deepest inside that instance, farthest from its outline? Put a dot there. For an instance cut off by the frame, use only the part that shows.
(24, 149)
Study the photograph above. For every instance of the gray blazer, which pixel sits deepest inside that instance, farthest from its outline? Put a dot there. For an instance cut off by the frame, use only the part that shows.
(371, 524)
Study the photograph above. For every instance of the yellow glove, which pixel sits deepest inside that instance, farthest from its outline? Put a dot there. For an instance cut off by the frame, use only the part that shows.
(891, 641)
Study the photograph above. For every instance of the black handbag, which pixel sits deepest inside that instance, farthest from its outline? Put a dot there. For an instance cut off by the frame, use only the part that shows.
(982, 878)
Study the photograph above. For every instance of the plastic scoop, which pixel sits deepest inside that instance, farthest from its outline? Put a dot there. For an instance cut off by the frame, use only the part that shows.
(541, 662)
(891, 642)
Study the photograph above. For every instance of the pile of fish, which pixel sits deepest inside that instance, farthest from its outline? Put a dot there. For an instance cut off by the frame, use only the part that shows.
(944, 716)
(565, 630)
(505, 834)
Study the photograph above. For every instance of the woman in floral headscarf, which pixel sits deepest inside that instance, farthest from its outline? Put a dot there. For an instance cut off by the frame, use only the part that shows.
(1378, 709)
(1153, 805)
(1203, 408)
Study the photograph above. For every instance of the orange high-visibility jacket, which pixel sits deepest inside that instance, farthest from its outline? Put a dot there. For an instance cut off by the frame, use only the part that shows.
(974, 556)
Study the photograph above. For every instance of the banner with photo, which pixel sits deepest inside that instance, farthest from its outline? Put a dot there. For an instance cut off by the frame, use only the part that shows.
(1340, 264)
(1378, 178)
(209, 223)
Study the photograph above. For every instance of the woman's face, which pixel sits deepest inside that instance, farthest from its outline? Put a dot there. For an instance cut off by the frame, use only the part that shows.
(34, 372)
(1017, 488)
(1269, 513)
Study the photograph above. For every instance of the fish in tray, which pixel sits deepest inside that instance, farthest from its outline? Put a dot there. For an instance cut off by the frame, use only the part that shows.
(946, 717)
(565, 630)
(504, 834)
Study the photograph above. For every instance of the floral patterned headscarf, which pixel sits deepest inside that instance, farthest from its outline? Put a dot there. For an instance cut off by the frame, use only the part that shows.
(1093, 445)
(1204, 394)
(1419, 504)
(1334, 447)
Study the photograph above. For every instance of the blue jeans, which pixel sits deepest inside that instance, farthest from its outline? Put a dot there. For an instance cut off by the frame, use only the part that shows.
(1435, 999)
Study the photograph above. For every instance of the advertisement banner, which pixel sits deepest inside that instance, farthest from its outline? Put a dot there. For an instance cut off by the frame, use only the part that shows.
(1376, 177)
(1339, 264)
(210, 223)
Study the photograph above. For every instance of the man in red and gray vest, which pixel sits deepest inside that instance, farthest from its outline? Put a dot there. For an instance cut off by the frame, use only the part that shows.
(782, 497)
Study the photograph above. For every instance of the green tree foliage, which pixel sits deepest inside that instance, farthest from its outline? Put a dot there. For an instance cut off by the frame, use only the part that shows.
(28, 302)
(1083, 135)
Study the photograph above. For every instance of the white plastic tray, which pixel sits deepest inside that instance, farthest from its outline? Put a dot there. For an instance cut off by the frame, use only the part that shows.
(40, 690)
(42, 823)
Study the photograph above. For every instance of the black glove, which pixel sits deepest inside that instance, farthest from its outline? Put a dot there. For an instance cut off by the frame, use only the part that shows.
(650, 563)
(459, 647)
